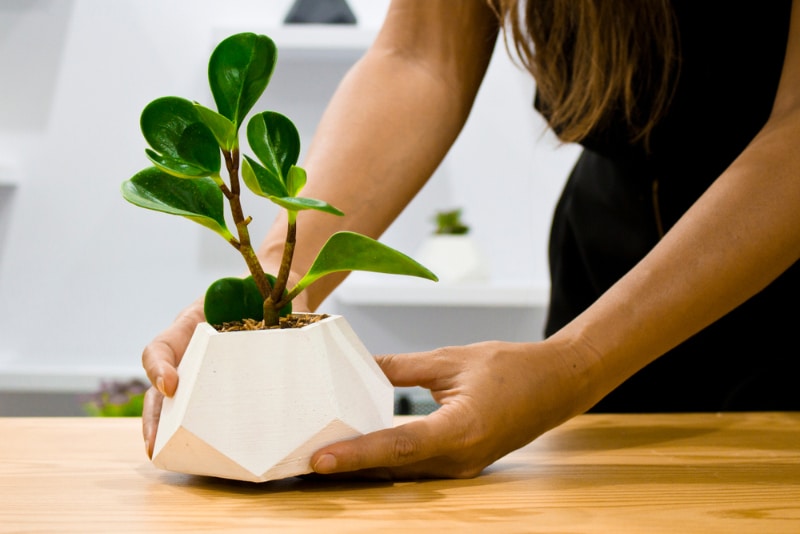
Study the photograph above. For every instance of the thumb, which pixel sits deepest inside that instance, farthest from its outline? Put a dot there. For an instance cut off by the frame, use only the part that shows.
(403, 450)
(384, 448)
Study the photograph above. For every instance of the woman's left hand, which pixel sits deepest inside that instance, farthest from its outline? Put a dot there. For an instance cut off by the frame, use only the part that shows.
(495, 397)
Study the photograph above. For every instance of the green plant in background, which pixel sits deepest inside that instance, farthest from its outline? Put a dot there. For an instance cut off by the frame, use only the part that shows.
(189, 144)
(116, 399)
(449, 223)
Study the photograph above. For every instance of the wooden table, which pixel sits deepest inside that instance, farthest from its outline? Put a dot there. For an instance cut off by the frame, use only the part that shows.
(703, 473)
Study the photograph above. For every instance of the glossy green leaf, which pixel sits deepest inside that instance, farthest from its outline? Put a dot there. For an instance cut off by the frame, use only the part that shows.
(300, 204)
(295, 180)
(261, 181)
(172, 127)
(238, 72)
(275, 141)
(235, 299)
(197, 199)
(176, 167)
(223, 129)
(348, 251)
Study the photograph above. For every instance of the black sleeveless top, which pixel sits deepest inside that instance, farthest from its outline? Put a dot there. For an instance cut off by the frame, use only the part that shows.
(620, 199)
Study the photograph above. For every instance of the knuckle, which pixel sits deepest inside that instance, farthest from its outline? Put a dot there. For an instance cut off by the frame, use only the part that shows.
(443, 353)
(151, 354)
(404, 449)
(155, 354)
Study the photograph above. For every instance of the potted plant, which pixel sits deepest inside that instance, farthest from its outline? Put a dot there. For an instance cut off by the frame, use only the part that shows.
(260, 388)
(451, 251)
(116, 398)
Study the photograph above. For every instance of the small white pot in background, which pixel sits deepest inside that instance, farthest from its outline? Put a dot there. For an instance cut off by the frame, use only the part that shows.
(255, 405)
(454, 258)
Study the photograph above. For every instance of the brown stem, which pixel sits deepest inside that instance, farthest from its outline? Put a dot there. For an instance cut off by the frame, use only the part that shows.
(244, 247)
(286, 261)
(232, 163)
(271, 317)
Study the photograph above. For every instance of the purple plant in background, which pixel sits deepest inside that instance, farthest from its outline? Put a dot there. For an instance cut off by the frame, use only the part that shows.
(116, 399)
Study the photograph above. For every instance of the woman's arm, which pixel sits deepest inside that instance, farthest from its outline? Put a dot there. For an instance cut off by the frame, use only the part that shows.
(737, 238)
(390, 123)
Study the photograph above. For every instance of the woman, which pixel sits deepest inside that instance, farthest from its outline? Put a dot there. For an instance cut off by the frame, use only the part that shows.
(684, 206)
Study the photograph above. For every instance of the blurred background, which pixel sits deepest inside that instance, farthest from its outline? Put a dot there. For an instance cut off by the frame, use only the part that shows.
(86, 280)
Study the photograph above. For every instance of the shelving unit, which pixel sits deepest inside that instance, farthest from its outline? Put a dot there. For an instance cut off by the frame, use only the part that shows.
(362, 290)
(313, 41)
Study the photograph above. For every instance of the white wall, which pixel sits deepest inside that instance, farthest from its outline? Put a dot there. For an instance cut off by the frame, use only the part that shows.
(86, 279)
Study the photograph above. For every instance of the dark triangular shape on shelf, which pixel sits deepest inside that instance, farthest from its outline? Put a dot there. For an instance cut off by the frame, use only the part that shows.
(320, 12)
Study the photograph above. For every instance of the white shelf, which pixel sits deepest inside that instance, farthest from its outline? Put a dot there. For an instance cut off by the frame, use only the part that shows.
(425, 293)
(52, 378)
(313, 41)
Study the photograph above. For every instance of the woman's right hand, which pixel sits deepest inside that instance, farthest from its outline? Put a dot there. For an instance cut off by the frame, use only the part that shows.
(160, 360)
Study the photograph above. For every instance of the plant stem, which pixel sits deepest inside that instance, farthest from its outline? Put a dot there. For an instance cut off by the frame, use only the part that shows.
(271, 317)
(286, 261)
(296, 290)
(244, 245)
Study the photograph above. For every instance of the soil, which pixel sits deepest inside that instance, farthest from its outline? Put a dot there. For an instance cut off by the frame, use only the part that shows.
(293, 320)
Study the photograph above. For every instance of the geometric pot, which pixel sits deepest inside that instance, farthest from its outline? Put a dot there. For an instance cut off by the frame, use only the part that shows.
(454, 258)
(255, 405)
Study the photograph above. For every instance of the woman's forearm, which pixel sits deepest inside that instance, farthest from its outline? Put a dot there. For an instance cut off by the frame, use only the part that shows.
(388, 126)
(740, 235)
(736, 239)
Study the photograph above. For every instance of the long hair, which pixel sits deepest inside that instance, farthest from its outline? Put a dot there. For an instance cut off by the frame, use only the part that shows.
(594, 59)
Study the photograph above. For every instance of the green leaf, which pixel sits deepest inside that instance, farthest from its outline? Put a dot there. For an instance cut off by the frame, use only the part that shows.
(238, 72)
(236, 299)
(260, 181)
(172, 127)
(348, 251)
(300, 203)
(223, 129)
(197, 199)
(233, 299)
(176, 167)
(449, 223)
(295, 180)
(275, 141)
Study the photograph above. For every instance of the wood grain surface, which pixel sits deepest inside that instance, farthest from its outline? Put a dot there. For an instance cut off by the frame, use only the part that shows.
(705, 473)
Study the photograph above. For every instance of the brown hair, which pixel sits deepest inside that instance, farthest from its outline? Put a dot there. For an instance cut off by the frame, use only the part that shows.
(595, 58)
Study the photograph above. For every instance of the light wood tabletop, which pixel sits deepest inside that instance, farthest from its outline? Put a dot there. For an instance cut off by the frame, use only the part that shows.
(706, 473)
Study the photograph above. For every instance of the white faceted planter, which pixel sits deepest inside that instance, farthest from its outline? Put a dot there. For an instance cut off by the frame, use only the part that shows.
(255, 405)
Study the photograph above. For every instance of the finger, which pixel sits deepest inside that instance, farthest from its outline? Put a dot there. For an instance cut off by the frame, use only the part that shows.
(407, 445)
(436, 467)
(161, 357)
(424, 369)
(160, 362)
(151, 414)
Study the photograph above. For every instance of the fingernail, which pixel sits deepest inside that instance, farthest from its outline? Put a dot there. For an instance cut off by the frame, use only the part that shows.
(147, 449)
(160, 385)
(325, 464)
